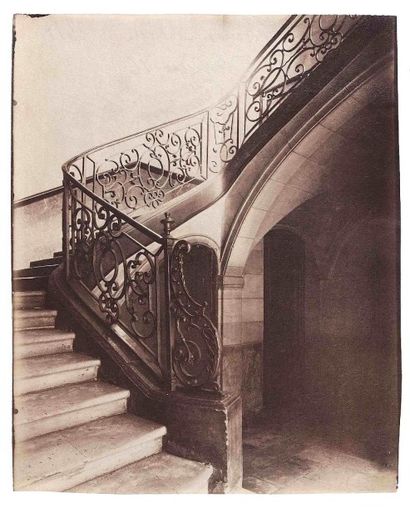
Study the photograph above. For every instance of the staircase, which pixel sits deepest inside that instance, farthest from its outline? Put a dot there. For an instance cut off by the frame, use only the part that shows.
(71, 430)
(35, 278)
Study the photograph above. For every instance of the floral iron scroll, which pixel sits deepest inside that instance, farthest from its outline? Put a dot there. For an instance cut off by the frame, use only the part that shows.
(144, 170)
(196, 349)
(117, 271)
(123, 277)
(287, 62)
(156, 164)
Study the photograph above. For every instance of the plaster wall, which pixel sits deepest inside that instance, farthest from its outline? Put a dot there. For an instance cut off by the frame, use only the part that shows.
(84, 80)
(37, 231)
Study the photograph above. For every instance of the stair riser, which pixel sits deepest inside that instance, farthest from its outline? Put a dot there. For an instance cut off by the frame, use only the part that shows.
(36, 270)
(68, 420)
(66, 480)
(34, 322)
(37, 283)
(35, 349)
(33, 384)
(29, 302)
(46, 262)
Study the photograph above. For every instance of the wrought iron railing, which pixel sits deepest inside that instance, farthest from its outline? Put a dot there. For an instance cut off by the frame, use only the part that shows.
(134, 277)
(142, 171)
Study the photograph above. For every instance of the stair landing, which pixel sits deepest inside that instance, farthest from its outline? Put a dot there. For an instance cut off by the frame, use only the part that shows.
(163, 473)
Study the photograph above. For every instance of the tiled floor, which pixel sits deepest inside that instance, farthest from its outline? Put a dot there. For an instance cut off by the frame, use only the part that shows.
(289, 462)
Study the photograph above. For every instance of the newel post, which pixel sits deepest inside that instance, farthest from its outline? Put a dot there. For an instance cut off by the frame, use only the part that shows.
(169, 337)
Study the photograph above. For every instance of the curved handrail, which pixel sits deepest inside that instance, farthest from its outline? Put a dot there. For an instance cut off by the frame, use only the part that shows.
(162, 125)
(152, 235)
(143, 170)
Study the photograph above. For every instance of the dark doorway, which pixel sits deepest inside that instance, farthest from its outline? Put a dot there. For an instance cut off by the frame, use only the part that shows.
(284, 270)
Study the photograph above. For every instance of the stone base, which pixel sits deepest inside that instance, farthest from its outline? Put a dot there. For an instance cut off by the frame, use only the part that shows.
(210, 430)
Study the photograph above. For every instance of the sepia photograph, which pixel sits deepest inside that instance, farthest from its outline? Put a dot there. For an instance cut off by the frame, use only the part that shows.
(205, 231)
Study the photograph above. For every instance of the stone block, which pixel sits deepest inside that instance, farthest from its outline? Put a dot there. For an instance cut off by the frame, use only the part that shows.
(252, 310)
(253, 287)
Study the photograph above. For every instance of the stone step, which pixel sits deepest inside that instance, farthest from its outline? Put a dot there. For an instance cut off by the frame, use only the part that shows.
(64, 459)
(44, 372)
(162, 473)
(41, 342)
(66, 406)
(34, 319)
(24, 283)
(43, 270)
(29, 299)
(46, 262)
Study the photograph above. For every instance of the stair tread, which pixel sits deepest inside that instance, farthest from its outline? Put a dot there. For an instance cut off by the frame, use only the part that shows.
(44, 365)
(29, 293)
(23, 283)
(35, 312)
(29, 277)
(161, 473)
(68, 450)
(36, 270)
(22, 337)
(44, 262)
(63, 399)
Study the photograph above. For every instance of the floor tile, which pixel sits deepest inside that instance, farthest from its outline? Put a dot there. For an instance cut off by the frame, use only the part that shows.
(288, 460)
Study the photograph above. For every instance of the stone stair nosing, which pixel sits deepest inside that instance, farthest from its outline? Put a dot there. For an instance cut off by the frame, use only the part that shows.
(66, 406)
(38, 318)
(29, 299)
(41, 342)
(44, 372)
(162, 473)
(23, 283)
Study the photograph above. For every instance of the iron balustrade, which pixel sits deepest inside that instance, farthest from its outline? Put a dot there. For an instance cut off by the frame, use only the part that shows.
(134, 277)
(140, 172)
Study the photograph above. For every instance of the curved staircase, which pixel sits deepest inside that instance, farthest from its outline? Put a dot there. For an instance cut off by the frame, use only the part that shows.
(71, 430)
(124, 268)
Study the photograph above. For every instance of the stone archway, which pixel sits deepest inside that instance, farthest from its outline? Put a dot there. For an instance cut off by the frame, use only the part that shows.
(330, 146)
(346, 156)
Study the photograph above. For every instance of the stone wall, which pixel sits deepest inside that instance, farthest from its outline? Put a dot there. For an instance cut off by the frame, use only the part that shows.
(349, 356)
(243, 333)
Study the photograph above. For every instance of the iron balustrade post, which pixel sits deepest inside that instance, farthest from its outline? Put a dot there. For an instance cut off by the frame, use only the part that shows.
(169, 337)
(241, 114)
(66, 227)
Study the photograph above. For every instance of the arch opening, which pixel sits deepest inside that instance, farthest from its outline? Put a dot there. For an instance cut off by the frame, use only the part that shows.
(310, 320)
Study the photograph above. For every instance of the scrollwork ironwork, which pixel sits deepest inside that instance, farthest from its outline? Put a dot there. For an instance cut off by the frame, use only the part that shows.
(145, 170)
(223, 139)
(122, 284)
(159, 161)
(288, 61)
(197, 348)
